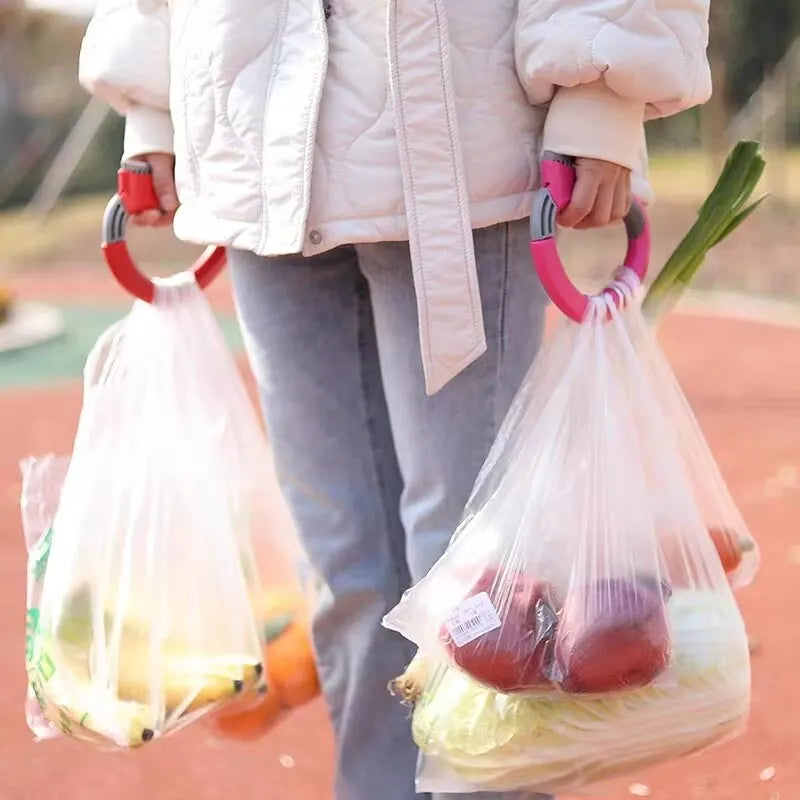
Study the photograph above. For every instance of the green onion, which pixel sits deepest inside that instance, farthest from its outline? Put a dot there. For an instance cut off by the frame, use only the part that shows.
(723, 211)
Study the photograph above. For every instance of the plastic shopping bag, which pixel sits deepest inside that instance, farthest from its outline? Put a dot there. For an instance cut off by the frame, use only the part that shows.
(291, 676)
(580, 624)
(142, 577)
(737, 549)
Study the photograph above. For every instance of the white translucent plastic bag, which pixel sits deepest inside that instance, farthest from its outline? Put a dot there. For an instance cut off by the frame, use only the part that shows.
(142, 579)
(580, 625)
(738, 550)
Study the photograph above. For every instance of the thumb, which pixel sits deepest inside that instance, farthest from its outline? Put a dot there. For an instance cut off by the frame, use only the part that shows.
(162, 166)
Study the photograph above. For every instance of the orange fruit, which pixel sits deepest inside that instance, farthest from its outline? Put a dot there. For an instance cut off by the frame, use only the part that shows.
(291, 669)
(247, 720)
(291, 676)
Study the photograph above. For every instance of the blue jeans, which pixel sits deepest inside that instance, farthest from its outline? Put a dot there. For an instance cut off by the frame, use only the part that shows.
(375, 473)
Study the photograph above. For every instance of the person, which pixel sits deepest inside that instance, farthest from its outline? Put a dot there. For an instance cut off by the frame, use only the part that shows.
(370, 166)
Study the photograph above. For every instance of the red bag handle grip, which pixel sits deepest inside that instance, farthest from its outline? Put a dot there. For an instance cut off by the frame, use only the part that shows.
(135, 193)
(558, 182)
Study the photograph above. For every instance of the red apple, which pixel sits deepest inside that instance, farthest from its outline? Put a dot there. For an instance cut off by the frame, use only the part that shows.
(613, 635)
(516, 656)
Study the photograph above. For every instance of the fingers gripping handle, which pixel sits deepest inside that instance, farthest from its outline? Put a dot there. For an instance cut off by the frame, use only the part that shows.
(136, 189)
(558, 182)
(135, 194)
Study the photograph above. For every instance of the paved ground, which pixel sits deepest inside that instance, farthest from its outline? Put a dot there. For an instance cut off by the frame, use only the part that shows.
(744, 382)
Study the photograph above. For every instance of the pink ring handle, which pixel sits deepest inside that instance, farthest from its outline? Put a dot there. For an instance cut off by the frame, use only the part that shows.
(558, 182)
(136, 194)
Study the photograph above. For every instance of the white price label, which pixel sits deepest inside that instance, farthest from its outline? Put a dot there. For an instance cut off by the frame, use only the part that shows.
(474, 618)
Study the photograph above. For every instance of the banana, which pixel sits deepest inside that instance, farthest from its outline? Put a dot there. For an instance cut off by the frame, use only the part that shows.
(188, 682)
(239, 668)
(180, 690)
(203, 678)
(75, 637)
(125, 723)
(172, 678)
(84, 711)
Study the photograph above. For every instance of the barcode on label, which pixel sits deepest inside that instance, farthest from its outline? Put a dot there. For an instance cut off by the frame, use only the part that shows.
(474, 618)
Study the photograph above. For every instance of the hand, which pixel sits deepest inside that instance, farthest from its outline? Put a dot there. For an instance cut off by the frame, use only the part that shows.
(602, 195)
(162, 166)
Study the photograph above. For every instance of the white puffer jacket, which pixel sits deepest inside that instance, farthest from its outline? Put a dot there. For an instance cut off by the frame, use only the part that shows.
(300, 125)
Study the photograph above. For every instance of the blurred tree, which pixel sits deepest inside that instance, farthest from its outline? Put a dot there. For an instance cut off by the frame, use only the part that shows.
(11, 23)
(715, 115)
(748, 39)
(40, 51)
(762, 31)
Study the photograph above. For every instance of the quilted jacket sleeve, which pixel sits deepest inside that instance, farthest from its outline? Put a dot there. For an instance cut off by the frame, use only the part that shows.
(125, 60)
(605, 66)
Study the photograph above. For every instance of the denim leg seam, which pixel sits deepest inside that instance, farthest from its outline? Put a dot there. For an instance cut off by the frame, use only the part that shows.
(501, 323)
(503, 291)
(362, 295)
